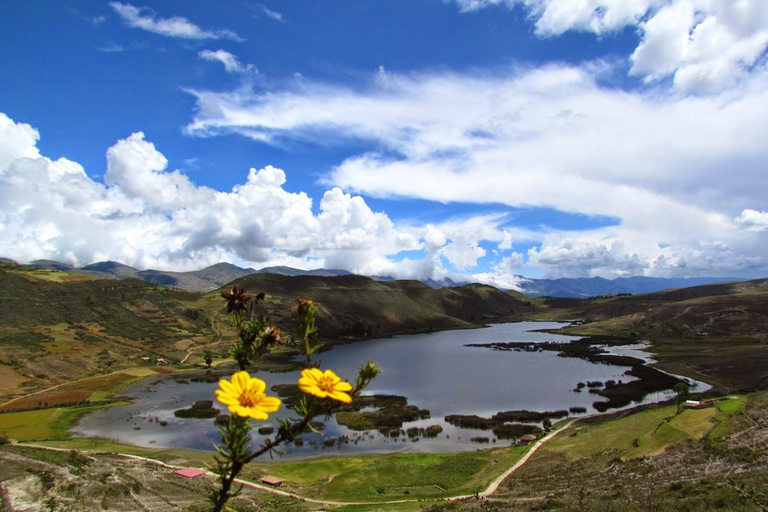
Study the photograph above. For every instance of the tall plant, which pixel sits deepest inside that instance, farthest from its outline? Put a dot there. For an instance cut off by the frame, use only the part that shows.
(246, 399)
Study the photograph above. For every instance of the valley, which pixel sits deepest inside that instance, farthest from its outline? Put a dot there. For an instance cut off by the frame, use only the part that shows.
(72, 344)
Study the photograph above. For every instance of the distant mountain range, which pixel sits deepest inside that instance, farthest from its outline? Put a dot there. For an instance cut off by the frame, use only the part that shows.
(598, 286)
(220, 274)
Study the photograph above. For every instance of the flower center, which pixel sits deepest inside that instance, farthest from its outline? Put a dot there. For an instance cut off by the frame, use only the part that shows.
(326, 384)
(249, 399)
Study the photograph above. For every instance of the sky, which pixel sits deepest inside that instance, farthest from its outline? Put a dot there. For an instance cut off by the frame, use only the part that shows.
(477, 140)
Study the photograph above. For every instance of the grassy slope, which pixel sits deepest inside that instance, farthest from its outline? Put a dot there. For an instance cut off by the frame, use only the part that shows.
(716, 333)
(56, 326)
(679, 462)
(358, 306)
(53, 329)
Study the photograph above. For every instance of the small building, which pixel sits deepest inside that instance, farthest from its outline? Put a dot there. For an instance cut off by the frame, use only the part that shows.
(190, 472)
(272, 480)
(692, 404)
(145, 358)
(527, 438)
(160, 360)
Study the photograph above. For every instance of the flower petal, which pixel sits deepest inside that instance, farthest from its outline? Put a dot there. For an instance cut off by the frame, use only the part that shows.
(243, 411)
(343, 386)
(227, 387)
(269, 404)
(331, 376)
(312, 373)
(240, 381)
(257, 414)
(227, 399)
(256, 385)
(341, 397)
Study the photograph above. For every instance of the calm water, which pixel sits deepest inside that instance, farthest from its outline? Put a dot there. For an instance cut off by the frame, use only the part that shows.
(434, 371)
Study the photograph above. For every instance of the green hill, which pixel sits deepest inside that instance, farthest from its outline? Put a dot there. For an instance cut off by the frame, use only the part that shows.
(717, 333)
(358, 306)
(56, 326)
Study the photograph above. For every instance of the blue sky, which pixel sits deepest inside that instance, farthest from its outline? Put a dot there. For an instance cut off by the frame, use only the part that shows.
(473, 139)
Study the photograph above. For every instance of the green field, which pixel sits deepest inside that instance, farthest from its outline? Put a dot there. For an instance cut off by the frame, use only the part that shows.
(393, 477)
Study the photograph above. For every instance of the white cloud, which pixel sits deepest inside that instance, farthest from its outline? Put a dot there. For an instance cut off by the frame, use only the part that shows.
(270, 13)
(504, 273)
(138, 169)
(753, 220)
(506, 243)
(674, 170)
(146, 216)
(177, 26)
(554, 17)
(705, 45)
(230, 62)
(463, 253)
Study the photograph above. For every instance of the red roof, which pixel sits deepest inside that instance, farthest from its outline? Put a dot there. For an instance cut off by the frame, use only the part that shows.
(190, 472)
(272, 480)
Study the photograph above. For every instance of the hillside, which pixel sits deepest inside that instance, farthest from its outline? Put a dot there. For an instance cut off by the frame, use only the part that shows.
(717, 331)
(73, 324)
(357, 306)
(56, 326)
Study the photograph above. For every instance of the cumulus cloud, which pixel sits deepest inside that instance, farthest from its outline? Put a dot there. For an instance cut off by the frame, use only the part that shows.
(147, 216)
(230, 62)
(705, 45)
(177, 26)
(753, 220)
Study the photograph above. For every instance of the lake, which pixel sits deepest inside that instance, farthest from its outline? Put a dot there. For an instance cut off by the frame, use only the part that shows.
(435, 371)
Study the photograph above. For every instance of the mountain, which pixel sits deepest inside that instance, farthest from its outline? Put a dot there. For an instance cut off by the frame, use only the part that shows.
(598, 286)
(53, 265)
(57, 326)
(110, 269)
(289, 271)
(221, 273)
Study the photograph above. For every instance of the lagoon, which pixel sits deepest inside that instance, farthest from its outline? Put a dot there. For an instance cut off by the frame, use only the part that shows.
(435, 371)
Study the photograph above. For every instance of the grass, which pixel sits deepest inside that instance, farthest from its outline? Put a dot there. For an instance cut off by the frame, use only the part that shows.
(638, 435)
(29, 425)
(393, 477)
(727, 409)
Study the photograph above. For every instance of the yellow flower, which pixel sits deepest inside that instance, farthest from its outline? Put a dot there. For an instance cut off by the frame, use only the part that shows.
(245, 396)
(325, 384)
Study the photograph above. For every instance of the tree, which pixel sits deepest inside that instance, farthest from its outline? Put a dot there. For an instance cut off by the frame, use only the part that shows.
(208, 359)
(681, 389)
